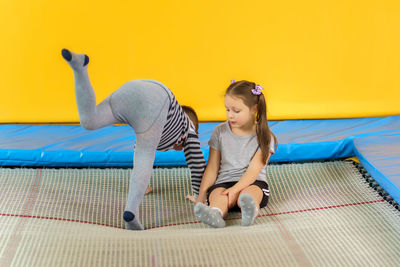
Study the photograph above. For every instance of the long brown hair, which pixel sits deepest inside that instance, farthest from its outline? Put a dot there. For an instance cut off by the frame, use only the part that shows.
(243, 90)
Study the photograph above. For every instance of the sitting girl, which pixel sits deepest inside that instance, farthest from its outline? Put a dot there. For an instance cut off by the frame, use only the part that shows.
(239, 151)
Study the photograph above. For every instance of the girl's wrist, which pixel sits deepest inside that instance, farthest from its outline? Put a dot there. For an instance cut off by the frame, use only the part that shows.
(239, 187)
(235, 188)
(202, 192)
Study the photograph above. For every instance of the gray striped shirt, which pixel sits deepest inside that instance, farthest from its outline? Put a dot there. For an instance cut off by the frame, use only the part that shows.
(179, 131)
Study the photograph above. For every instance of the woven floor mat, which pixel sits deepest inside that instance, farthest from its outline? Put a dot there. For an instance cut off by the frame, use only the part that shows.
(318, 214)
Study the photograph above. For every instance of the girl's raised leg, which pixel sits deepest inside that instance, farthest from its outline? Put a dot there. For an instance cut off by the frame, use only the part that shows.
(91, 116)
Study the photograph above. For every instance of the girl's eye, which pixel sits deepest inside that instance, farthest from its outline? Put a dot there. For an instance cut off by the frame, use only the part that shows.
(236, 111)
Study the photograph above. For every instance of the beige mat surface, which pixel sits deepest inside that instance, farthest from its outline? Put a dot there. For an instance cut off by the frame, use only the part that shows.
(320, 214)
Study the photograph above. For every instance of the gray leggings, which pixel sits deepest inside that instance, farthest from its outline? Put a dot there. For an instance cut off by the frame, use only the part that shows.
(143, 104)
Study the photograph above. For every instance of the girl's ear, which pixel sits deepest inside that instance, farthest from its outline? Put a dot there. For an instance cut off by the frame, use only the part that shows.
(254, 108)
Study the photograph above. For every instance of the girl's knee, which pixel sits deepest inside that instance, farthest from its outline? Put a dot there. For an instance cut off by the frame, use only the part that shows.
(88, 124)
(251, 190)
(216, 192)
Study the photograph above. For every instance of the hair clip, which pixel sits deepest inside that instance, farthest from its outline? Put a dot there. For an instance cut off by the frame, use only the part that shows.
(257, 90)
(233, 81)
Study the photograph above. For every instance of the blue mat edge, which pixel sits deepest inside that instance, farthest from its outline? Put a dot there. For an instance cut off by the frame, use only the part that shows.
(388, 182)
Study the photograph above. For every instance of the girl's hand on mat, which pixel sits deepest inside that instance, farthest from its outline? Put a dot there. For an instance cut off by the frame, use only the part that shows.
(201, 198)
(191, 198)
(232, 194)
(148, 190)
(194, 200)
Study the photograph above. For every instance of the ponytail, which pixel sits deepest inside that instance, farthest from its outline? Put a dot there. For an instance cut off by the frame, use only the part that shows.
(251, 94)
(262, 130)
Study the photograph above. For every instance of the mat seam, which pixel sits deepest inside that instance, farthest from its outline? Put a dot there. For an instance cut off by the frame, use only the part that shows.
(194, 222)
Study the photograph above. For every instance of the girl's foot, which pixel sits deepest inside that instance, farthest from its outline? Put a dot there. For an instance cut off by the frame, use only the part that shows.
(249, 209)
(210, 216)
(75, 60)
(131, 222)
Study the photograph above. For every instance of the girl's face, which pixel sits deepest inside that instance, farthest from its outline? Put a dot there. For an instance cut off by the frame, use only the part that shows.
(238, 114)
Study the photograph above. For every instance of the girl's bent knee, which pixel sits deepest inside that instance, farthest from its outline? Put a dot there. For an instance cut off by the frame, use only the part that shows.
(88, 125)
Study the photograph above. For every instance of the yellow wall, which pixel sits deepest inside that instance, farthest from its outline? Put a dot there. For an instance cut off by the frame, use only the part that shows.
(316, 59)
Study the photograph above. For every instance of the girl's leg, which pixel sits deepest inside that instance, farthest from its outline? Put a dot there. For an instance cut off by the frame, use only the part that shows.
(146, 146)
(144, 106)
(249, 202)
(91, 116)
(139, 181)
(216, 200)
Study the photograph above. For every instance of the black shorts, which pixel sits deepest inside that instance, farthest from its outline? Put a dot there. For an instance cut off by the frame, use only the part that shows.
(261, 184)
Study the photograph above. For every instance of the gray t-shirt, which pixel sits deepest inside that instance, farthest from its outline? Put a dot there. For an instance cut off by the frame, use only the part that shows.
(236, 153)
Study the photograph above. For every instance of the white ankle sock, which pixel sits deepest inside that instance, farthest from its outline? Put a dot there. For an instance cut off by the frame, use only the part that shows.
(219, 210)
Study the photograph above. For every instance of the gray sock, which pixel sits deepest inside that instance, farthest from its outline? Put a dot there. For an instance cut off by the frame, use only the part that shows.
(76, 61)
(209, 215)
(132, 222)
(249, 209)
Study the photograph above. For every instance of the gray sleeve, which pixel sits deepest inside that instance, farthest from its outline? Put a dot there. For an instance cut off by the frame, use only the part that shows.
(214, 141)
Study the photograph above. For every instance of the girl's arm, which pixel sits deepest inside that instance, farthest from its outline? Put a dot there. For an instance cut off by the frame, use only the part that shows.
(210, 174)
(250, 176)
(195, 160)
